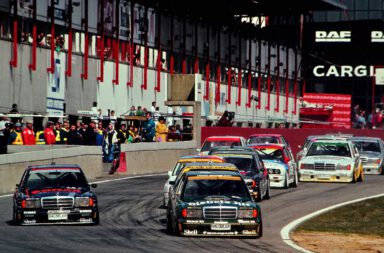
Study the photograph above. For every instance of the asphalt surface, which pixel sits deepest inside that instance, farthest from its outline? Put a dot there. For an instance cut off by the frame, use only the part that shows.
(132, 220)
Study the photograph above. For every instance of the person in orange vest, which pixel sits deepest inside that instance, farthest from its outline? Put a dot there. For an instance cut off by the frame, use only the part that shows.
(28, 134)
(15, 138)
(49, 134)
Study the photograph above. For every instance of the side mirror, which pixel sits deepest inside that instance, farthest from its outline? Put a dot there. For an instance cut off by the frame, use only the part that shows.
(299, 146)
(169, 173)
(198, 150)
(94, 185)
(286, 159)
(171, 182)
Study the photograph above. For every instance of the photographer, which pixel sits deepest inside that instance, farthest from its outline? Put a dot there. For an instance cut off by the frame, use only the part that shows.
(5, 129)
(225, 120)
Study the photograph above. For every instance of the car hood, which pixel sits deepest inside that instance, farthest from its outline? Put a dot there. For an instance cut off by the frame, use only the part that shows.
(231, 203)
(273, 164)
(66, 192)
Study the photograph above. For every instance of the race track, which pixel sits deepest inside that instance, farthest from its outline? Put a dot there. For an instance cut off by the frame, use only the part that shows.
(132, 220)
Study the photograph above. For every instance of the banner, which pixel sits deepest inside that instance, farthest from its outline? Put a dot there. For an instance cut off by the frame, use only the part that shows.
(341, 103)
(106, 16)
(56, 86)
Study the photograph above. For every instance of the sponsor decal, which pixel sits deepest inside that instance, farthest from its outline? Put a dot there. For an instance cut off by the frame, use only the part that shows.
(55, 190)
(246, 221)
(333, 36)
(200, 203)
(249, 232)
(29, 212)
(190, 232)
(85, 211)
(377, 36)
(343, 71)
(220, 233)
(195, 221)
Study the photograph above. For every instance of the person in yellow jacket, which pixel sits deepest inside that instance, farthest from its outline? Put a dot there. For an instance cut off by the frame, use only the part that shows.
(15, 137)
(57, 132)
(161, 130)
(40, 137)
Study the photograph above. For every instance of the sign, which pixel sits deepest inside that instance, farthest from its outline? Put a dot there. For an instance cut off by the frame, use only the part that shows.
(343, 71)
(56, 86)
(333, 36)
(377, 36)
(379, 76)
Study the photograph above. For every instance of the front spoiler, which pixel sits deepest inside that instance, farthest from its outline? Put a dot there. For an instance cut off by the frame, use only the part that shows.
(203, 230)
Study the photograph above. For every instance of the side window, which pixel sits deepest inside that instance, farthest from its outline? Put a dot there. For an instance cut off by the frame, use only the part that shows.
(180, 186)
(355, 150)
(260, 164)
(284, 142)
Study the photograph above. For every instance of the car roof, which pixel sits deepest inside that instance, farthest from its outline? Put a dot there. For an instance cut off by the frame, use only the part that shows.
(213, 173)
(209, 166)
(341, 140)
(234, 148)
(363, 138)
(225, 137)
(54, 166)
(266, 135)
(199, 157)
(266, 145)
(237, 152)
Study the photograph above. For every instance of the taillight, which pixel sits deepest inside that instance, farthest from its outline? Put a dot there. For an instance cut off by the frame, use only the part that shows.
(91, 202)
(23, 203)
(378, 161)
(184, 213)
(254, 213)
(254, 183)
(349, 167)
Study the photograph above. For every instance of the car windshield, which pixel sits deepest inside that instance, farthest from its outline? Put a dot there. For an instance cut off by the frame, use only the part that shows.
(203, 188)
(330, 149)
(367, 146)
(224, 143)
(177, 169)
(263, 139)
(270, 154)
(68, 178)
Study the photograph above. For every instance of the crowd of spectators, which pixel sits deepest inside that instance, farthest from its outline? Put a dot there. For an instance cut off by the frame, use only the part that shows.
(362, 120)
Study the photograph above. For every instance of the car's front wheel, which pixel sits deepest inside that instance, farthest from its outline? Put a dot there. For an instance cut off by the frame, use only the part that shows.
(295, 180)
(267, 192)
(15, 218)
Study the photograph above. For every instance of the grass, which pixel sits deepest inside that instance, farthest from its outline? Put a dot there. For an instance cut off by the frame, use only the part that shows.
(366, 218)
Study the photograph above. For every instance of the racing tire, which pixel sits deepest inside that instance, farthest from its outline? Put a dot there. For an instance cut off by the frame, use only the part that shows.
(360, 178)
(171, 226)
(15, 220)
(267, 195)
(260, 229)
(286, 185)
(96, 220)
(382, 171)
(258, 198)
(295, 180)
(353, 178)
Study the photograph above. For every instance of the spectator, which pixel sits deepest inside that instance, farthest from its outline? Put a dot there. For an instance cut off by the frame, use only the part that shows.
(64, 132)
(170, 113)
(57, 132)
(153, 108)
(40, 39)
(161, 130)
(90, 134)
(28, 134)
(14, 109)
(99, 134)
(379, 118)
(148, 128)
(113, 117)
(110, 139)
(5, 128)
(15, 137)
(122, 134)
(224, 120)
(73, 136)
(40, 140)
(156, 114)
(361, 122)
(132, 111)
(137, 137)
(139, 111)
(355, 115)
(49, 134)
(100, 114)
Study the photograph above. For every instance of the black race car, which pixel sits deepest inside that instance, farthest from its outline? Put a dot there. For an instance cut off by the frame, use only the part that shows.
(54, 194)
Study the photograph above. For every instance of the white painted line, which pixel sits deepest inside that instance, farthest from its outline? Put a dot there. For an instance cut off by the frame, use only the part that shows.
(284, 233)
(107, 181)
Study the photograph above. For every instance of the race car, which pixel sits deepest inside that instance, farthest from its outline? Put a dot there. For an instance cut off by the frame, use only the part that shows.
(280, 163)
(371, 154)
(172, 174)
(331, 160)
(213, 203)
(223, 141)
(49, 194)
(251, 167)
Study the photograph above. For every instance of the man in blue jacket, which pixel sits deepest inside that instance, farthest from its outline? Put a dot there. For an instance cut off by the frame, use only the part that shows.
(149, 128)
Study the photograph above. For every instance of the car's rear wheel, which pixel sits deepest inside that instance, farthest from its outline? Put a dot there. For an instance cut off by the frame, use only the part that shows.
(286, 182)
(361, 177)
(267, 195)
(260, 229)
(353, 178)
(381, 171)
(295, 180)
(96, 218)
(259, 198)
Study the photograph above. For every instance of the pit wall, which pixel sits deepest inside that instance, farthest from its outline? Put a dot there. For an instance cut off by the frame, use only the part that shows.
(294, 137)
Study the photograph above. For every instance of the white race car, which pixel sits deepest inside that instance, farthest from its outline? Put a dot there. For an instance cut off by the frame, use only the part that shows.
(332, 160)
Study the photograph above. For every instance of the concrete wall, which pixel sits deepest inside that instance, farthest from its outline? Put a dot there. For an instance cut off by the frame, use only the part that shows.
(13, 165)
(146, 158)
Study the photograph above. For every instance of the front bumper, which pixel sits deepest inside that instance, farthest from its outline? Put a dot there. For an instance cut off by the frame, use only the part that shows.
(204, 228)
(326, 176)
(42, 216)
(277, 180)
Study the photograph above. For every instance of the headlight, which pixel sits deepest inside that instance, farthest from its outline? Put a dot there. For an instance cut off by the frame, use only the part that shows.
(32, 203)
(194, 213)
(306, 166)
(343, 167)
(247, 213)
(274, 171)
(82, 202)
